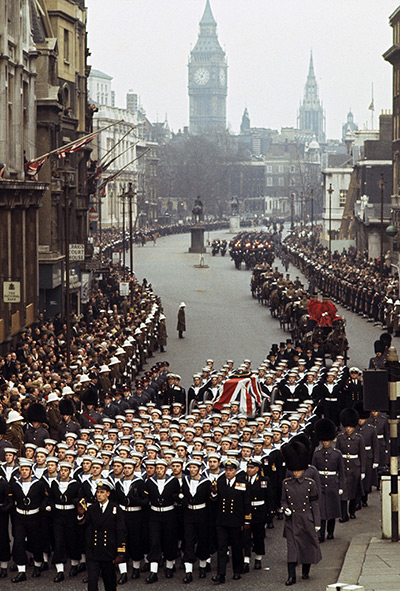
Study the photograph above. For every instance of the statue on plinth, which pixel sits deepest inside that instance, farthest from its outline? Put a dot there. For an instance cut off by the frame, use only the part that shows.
(197, 210)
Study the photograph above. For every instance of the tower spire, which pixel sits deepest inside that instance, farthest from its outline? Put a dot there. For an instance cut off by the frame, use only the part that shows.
(311, 67)
(208, 17)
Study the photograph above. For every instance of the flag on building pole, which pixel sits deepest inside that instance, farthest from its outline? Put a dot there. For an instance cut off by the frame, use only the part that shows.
(32, 167)
(371, 106)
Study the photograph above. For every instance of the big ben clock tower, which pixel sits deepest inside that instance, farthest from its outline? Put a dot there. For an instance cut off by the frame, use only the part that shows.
(207, 79)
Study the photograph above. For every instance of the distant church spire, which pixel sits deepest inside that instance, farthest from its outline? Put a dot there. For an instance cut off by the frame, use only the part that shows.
(311, 116)
(245, 125)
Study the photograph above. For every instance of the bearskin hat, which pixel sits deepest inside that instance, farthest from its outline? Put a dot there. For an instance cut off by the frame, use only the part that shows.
(386, 339)
(359, 407)
(89, 397)
(379, 347)
(325, 430)
(349, 417)
(296, 455)
(36, 413)
(66, 407)
(3, 426)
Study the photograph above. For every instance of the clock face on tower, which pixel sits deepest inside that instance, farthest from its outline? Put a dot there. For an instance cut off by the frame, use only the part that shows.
(201, 76)
(222, 76)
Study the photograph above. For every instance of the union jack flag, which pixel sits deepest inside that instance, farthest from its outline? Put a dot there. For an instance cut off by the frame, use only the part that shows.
(244, 390)
(32, 167)
(62, 152)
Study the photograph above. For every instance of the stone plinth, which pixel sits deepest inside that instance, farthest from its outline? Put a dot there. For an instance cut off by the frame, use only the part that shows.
(234, 224)
(197, 244)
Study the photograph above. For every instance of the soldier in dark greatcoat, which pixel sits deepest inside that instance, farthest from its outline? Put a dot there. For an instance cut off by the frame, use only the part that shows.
(301, 509)
(36, 432)
(330, 466)
(351, 444)
(369, 435)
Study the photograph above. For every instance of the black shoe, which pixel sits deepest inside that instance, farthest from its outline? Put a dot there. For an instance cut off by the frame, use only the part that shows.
(145, 568)
(257, 565)
(218, 579)
(321, 539)
(152, 578)
(364, 504)
(169, 573)
(236, 577)
(305, 576)
(188, 578)
(352, 516)
(135, 573)
(74, 571)
(85, 580)
(19, 578)
(82, 567)
(290, 581)
(246, 568)
(344, 519)
(208, 567)
(202, 572)
(36, 572)
(58, 578)
(270, 525)
(45, 566)
(123, 579)
(330, 537)
(3, 573)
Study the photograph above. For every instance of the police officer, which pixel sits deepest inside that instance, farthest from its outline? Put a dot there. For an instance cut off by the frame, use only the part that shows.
(105, 538)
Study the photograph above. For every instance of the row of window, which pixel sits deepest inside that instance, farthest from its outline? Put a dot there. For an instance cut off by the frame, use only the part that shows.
(396, 127)
(279, 168)
(281, 182)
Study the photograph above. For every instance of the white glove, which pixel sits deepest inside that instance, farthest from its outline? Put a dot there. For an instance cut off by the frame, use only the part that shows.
(317, 528)
(375, 465)
(362, 476)
(48, 508)
(340, 491)
(287, 512)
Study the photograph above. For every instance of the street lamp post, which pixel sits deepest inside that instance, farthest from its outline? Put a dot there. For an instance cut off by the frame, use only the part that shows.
(292, 211)
(130, 195)
(330, 191)
(67, 286)
(123, 231)
(301, 209)
(312, 209)
(381, 184)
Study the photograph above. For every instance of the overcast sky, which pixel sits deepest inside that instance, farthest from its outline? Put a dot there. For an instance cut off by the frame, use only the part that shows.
(145, 45)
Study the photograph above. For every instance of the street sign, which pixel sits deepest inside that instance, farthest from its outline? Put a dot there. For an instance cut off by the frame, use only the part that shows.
(76, 252)
(11, 292)
(93, 215)
(124, 288)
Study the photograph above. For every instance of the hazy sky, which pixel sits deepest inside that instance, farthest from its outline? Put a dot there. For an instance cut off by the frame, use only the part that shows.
(145, 45)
